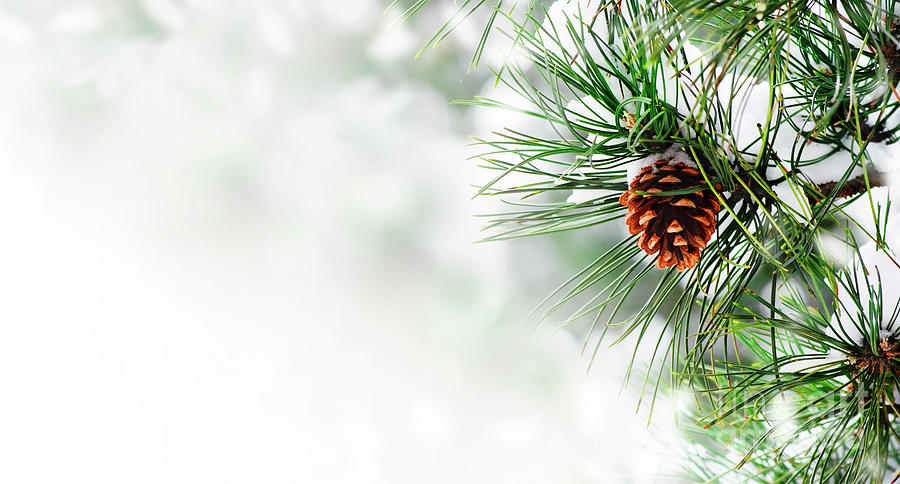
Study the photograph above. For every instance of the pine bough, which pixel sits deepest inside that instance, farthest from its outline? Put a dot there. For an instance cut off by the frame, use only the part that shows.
(780, 307)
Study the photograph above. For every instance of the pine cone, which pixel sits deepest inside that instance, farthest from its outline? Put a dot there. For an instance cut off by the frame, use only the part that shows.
(676, 226)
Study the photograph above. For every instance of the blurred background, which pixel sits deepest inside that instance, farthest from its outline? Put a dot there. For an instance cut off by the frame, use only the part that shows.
(238, 246)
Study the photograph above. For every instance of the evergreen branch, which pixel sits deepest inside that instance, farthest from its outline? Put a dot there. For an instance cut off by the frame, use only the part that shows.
(763, 319)
(854, 186)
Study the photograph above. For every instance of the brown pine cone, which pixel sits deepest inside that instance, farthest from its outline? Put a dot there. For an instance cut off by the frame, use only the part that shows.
(676, 226)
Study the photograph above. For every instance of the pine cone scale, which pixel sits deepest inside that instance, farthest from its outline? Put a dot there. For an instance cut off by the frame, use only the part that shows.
(684, 202)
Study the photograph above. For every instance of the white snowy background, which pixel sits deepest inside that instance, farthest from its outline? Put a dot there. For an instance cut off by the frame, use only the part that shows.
(237, 248)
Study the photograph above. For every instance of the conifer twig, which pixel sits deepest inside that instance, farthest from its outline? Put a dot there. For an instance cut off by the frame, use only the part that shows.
(854, 186)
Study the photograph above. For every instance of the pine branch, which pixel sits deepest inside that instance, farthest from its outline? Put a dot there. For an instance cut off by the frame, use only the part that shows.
(854, 186)
(620, 82)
